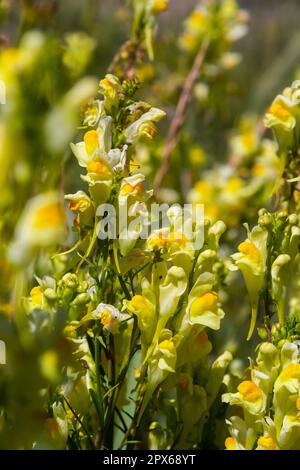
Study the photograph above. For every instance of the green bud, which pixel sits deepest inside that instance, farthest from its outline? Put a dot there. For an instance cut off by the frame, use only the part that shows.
(281, 343)
(70, 280)
(82, 287)
(262, 333)
(265, 219)
(67, 294)
(281, 215)
(81, 299)
(262, 212)
(283, 331)
(50, 294)
(275, 327)
(293, 219)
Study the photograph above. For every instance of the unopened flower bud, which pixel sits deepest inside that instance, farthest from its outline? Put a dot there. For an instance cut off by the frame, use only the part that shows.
(81, 299)
(293, 219)
(50, 294)
(262, 212)
(262, 333)
(82, 287)
(70, 280)
(265, 219)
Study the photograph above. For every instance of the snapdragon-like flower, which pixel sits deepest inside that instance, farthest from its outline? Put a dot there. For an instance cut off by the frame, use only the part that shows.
(109, 316)
(251, 260)
(270, 402)
(283, 117)
(157, 6)
(161, 363)
(109, 87)
(231, 21)
(280, 114)
(41, 225)
(144, 126)
(95, 149)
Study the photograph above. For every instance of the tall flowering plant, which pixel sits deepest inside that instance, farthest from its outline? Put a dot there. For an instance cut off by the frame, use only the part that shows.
(137, 309)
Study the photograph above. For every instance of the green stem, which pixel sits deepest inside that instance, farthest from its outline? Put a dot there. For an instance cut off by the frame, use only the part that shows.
(81, 424)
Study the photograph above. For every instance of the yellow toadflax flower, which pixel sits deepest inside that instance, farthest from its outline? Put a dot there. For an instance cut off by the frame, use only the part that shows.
(266, 443)
(230, 444)
(158, 6)
(251, 260)
(110, 317)
(41, 225)
(249, 396)
(280, 114)
(144, 126)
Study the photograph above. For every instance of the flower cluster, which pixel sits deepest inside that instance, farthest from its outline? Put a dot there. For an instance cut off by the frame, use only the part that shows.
(250, 173)
(148, 302)
(283, 117)
(222, 22)
(268, 260)
(270, 401)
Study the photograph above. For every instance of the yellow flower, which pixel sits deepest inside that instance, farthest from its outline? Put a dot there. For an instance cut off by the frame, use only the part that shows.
(249, 396)
(233, 185)
(109, 87)
(251, 260)
(281, 114)
(249, 391)
(280, 111)
(197, 155)
(91, 140)
(36, 295)
(204, 303)
(230, 443)
(79, 202)
(267, 443)
(41, 225)
(250, 250)
(108, 321)
(110, 317)
(158, 6)
(100, 169)
(204, 188)
(144, 126)
(141, 306)
(167, 345)
(292, 371)
(167, 240)
(49, 215)
(128, 188)
(196, 19)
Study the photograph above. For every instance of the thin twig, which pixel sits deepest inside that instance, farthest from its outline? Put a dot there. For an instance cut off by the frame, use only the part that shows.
(81, 423)
(179, 116)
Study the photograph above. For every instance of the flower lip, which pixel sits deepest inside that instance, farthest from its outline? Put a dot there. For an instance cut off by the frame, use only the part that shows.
(250, 391)
(128, 188)
(250, 250)
(91, 140)
(49, 215)
(206, 302)
(98, 168)
(230, 443)
(267, 442)
(280, 111)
